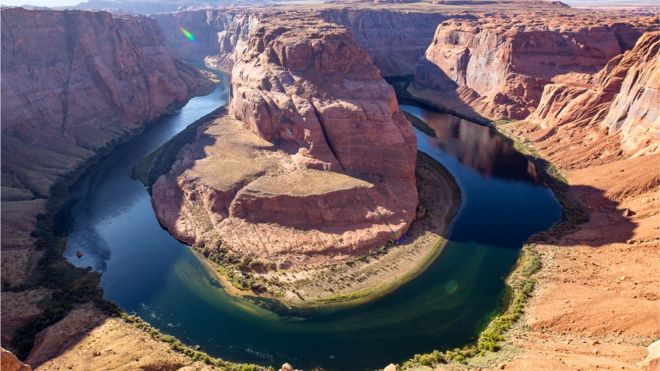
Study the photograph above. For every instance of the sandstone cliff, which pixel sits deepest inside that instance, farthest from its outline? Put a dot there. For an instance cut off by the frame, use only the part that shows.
(497, 65)
(72, 83)
(610, 115)
(9, 362)
(316, 164)
(395, 39)
(602, 134)
(216, 34)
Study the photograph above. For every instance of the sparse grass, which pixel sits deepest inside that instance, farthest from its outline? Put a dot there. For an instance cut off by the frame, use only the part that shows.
(522, 283)
(190, 352)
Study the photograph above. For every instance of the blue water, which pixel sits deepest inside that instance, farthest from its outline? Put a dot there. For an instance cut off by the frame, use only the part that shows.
(148, 272)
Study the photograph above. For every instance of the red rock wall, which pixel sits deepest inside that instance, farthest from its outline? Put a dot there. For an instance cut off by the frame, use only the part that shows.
(74, 82)
(395, 39)
(320, 92)
(622, 99)
(217, 34)
(334, 176)
(9, 362)
(504, 62)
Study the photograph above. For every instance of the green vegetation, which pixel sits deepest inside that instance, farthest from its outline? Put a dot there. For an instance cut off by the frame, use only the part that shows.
(522, 283)
(521, 280)
(160, 161)
(71, 286)
(192, 353)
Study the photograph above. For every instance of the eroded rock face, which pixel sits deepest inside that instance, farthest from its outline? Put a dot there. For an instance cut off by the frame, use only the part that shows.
(498, 65)
(216, 34)
(635, 111)
(316, 163)
(396, 40)
(612, 113)
(74, 82)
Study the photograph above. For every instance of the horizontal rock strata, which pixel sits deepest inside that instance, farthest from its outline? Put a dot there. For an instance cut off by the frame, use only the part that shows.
(498, 65)
(608, 116)
(315, 161)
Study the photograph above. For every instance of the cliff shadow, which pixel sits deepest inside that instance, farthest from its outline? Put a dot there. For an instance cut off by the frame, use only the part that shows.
(589, 216)
(434, 90)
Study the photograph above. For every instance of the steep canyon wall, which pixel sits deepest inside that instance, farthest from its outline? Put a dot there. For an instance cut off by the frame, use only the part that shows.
(73, 83)
(497, 65)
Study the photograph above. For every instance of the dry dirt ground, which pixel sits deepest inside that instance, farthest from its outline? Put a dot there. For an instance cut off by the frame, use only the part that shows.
(101, 343)
(596, 304)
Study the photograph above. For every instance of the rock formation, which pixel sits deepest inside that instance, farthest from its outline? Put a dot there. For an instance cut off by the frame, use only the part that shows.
(607, 116)
(73, 84)
(317, 162)
(497, 65)
(395, 39)
(9, 362)
(216, 34)
(603, 274)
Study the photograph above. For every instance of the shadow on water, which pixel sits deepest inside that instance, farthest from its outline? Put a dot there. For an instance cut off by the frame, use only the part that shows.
(146, 271)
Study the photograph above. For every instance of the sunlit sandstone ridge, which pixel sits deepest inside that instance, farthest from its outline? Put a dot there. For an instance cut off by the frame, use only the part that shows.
(495, 66)
(319, 164)
(610, 115)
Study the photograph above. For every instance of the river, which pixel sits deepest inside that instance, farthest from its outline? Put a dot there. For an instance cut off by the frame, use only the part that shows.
(148, 272)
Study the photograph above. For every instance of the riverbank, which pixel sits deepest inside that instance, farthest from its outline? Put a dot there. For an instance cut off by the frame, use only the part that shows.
(492, 346)
(365, 278)
(596, 301)
(71, 298)
(591, 298)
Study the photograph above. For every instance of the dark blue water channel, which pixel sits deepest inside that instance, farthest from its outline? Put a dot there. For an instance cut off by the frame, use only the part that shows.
(148, 272)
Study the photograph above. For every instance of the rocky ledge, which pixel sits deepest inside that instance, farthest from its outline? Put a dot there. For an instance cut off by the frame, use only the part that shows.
(313, 165)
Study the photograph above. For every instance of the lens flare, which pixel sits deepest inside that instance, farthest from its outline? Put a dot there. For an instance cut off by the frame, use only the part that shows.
(187, 34)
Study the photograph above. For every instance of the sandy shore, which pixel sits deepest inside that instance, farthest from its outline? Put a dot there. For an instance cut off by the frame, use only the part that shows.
(362, 279)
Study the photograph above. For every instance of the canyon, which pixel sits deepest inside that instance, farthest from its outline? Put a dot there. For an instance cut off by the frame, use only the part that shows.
(611, 161)
(287, 184)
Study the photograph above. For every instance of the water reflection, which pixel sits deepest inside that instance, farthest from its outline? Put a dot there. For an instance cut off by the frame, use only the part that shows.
(476, 146)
